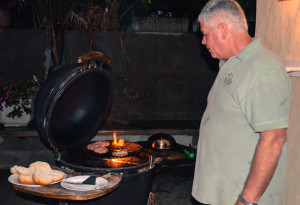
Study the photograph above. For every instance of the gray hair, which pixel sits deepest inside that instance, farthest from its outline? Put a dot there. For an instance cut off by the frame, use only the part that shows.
(228, 11)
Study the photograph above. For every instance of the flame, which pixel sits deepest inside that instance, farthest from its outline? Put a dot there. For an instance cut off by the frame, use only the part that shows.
(124, 161)
(117, 143)
(117, 160)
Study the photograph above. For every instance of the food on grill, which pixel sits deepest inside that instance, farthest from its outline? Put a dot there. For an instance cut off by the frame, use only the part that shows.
(100, 150)
(102, 143)
(92, 146)
(38, 172)
(132, 147)
(102, 147)
(99, 147)
(120, 153)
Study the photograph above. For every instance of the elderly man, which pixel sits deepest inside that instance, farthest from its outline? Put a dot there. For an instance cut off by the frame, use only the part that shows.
(242, 154)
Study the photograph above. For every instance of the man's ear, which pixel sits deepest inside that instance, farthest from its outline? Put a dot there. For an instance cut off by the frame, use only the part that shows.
(224, 30)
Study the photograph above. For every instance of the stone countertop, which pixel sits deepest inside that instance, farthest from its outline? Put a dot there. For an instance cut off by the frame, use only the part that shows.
(132, 128)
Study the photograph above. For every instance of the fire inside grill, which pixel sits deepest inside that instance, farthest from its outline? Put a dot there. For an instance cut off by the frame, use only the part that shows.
(119, 153)
(117, 143)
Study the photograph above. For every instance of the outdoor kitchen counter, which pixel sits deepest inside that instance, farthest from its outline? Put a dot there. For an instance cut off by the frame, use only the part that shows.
(133, 128)
(56, 191)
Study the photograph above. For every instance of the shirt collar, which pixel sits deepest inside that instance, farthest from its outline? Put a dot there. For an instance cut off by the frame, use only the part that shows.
(255, 44)
(248, 50)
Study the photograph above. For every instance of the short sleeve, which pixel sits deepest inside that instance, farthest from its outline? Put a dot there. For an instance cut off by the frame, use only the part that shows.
(267, 100)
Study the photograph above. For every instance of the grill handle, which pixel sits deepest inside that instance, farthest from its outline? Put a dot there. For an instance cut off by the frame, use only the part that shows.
(93, 56)
(151, 164)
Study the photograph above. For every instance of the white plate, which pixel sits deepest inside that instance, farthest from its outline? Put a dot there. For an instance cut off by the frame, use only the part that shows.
(14, 179)
(100, 183)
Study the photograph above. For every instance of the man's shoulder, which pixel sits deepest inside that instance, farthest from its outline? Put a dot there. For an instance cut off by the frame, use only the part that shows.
(264, 60)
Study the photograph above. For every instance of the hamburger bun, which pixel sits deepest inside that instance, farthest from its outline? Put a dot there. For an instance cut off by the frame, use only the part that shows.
(21, 170)
(40, 166)
(38, 172)
(121, 153)
(57, 175)
(42, 178)
(13, 170)
(25, 179)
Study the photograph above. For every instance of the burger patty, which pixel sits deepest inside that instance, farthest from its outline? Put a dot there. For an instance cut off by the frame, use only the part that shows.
(102, 143)
(132, 147)
(100, 150)
(98, 147)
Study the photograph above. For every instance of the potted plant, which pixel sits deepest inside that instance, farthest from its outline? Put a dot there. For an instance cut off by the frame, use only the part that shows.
(6, 13)
(15, 104)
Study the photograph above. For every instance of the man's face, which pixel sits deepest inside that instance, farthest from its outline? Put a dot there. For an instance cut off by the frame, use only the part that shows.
(212, 41)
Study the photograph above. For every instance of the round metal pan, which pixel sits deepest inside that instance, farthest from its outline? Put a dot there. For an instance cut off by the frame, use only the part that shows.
(162, 141)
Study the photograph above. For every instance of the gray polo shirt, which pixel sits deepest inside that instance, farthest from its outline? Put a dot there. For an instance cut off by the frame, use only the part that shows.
(250, 94)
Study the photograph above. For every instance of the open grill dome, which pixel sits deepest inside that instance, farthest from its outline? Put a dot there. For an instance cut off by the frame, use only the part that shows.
(71, 106)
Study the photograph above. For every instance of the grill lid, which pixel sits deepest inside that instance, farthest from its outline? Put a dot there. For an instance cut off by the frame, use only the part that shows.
(71, 106)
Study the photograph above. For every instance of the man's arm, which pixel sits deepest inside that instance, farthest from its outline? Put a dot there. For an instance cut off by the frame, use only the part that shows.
(264, 163)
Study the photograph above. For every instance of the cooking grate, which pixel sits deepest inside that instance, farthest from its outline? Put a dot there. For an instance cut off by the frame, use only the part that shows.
(80, 155)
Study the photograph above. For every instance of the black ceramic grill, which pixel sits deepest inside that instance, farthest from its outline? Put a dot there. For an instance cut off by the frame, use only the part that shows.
(70, 109)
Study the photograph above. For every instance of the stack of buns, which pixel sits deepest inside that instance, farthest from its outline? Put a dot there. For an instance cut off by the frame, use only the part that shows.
(38, 172)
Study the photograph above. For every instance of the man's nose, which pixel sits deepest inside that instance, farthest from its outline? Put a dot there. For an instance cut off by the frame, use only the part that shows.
(203, 41)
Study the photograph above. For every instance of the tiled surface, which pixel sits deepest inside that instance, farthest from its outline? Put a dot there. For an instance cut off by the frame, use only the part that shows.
(173, 185)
